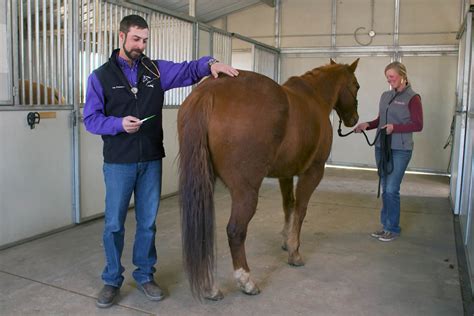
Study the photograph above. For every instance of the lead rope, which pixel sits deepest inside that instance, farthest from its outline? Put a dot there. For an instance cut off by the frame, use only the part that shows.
(385, 166)
(339, 132)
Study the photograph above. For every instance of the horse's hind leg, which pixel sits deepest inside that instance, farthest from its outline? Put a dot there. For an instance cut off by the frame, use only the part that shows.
(307, 183)
(213, 294)
(286, 187)
(244, 203)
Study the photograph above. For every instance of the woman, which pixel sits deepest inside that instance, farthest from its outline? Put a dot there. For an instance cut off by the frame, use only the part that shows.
(400, 114)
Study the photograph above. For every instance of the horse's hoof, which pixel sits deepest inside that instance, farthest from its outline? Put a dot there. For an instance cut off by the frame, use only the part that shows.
(254, 291)
(214, 296)
(296, 262)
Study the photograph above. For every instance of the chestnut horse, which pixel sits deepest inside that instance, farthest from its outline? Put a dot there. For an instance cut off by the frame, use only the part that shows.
(52, 96)
(244, 129)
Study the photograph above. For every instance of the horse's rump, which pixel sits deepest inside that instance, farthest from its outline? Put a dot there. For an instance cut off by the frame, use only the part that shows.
(247, 118)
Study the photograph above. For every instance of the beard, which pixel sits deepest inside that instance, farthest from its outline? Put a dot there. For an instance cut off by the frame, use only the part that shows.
(132, 54)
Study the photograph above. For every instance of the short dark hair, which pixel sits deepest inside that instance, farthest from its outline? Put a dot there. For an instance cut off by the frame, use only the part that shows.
(132, 20)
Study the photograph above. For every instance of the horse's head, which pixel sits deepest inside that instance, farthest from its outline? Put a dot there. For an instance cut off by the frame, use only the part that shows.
(346, 105)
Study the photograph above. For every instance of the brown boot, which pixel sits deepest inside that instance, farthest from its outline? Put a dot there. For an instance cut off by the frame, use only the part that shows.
(152, 291)
(107, 296)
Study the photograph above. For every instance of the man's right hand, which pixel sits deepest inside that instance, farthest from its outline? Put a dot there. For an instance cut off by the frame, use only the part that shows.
(131, 124)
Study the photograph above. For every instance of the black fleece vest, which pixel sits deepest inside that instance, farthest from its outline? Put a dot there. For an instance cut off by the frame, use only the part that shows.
(147, 143)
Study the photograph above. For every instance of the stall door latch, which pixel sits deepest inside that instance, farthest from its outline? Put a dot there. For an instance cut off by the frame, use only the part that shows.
(32, 119)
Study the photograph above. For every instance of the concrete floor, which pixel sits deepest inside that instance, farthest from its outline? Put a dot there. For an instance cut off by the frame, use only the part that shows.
(346, 273)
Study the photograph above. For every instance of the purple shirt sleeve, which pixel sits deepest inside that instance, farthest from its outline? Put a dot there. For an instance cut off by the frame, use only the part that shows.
(173, 75)
(95, 120)
(176, 75)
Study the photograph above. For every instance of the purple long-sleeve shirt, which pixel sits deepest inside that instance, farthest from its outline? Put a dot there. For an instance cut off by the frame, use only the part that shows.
(172, 75)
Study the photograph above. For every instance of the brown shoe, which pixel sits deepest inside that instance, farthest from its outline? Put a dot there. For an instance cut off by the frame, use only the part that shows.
(152, 291)
(389, 236)
(377, 234)
(107, 296)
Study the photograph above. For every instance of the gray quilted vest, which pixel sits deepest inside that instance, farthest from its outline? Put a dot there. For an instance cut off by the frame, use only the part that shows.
(393, 109)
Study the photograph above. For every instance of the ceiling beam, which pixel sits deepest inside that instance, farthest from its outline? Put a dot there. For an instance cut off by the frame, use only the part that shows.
(270, 3)
(223, 11)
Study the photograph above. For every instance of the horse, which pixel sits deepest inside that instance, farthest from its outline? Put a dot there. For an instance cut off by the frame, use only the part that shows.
(52, 96)
(241, 130)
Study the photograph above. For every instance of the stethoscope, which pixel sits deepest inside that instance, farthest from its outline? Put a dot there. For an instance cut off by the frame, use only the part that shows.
(157, 73)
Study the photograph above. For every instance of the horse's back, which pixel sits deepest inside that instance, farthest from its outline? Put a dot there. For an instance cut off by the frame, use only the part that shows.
(247, 120)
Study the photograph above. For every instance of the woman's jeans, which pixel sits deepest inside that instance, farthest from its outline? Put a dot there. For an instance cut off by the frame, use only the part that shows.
(390, 213)
(144, 180)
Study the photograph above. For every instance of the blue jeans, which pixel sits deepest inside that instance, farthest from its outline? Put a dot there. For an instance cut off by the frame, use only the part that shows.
(144, 179)
(390, 213)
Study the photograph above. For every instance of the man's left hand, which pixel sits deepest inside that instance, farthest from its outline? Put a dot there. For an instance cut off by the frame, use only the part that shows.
(223, 68)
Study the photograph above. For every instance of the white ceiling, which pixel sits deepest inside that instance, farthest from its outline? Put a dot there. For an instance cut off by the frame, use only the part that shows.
(206, 10)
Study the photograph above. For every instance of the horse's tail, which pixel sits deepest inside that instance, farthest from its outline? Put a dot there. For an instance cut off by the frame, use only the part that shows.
(196, 186)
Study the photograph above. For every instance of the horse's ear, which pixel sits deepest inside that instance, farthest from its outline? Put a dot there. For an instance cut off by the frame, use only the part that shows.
(353, 66)
(332, 61)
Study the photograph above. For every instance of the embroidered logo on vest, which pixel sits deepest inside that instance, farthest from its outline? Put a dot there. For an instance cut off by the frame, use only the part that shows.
(148, 81)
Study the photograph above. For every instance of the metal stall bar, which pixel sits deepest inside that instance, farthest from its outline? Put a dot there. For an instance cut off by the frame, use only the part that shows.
(30, 53)
(37, 51)
(87, 46)
(65, 87)
(406, 50)
(278, 35)
(80, 48)
(43, 75)
(333, 22)
(463, 95)
(99, 35)
(222, 47)
(94, 34)
(105, 43)
(58, 47)
(12, 24)
(22, 50)
(51, 46)
(396, 24)
(75, 115)
(265, 62)
(170, 38)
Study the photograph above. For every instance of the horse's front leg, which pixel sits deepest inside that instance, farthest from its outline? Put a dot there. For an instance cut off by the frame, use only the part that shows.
(244, 204)
(286, 187)
(305, 187)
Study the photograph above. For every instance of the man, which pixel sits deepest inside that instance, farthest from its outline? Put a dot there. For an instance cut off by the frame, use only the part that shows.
(124, 104)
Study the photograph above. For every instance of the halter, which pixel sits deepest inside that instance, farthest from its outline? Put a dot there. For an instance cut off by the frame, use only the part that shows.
(339, 130)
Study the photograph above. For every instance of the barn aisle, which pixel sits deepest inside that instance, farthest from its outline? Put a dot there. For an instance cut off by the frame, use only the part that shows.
(346, 273)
